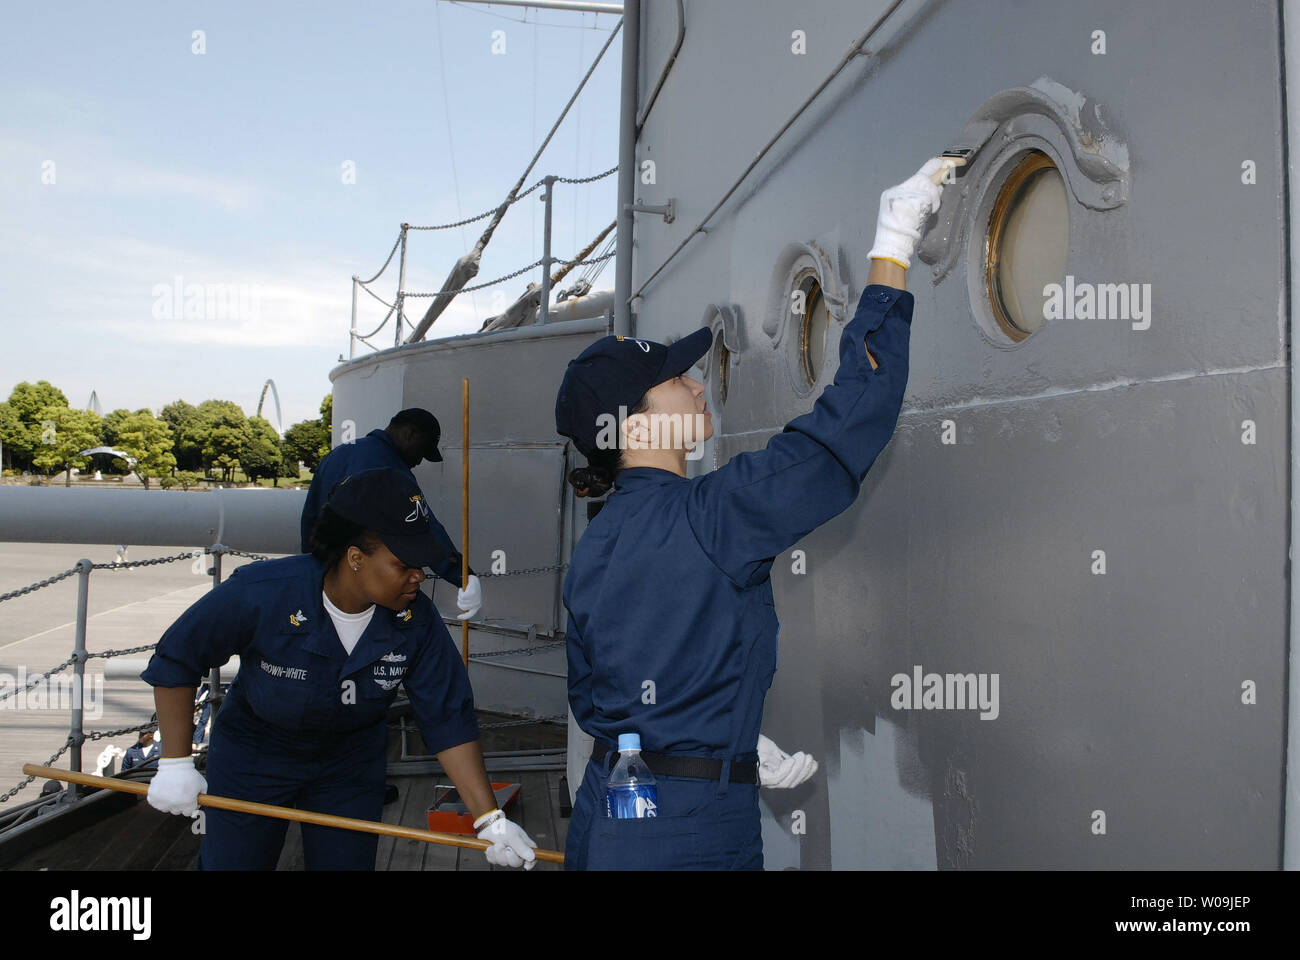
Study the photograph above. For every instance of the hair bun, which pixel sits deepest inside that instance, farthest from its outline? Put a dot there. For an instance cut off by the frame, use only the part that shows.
(593, 480)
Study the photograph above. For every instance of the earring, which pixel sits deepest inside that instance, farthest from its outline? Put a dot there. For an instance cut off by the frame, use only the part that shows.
(354, 569)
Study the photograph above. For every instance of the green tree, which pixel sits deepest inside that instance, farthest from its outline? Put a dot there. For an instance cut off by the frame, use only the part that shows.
(149, 440)
(26, 400)
(303, 441)
(186, 479)
(63, 434)
(223, 431)
(327, 424)
(261, 456)
(183, 419)
(289, 469)
(113, 424)
(11, 430)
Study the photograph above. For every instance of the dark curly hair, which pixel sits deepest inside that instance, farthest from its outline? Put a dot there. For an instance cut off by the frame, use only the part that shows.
(333, 534)
(595, 479)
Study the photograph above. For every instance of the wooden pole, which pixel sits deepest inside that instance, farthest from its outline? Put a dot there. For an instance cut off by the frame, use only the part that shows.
(464, 512)
(282, 813)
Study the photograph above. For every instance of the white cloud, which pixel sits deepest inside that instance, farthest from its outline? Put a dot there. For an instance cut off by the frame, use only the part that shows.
(89, 165)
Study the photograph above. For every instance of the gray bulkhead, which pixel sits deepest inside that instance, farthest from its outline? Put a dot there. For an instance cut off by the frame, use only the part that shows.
(1120, 694)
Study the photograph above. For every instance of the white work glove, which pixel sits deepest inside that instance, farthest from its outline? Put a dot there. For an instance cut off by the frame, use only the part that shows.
(175, 788)
(469, 598)
(511, 846)
(780, 770)
(905, 208)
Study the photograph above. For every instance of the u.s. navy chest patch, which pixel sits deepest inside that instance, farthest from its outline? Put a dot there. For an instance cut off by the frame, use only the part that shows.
(389, 671)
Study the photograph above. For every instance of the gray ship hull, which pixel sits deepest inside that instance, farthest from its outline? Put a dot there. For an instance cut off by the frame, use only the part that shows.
(1141, 711)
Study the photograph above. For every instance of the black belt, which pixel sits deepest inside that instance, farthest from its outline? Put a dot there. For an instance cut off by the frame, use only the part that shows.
(699, 768)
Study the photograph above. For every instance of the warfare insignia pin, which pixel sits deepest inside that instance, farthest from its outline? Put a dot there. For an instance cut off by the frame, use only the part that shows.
(420, 510)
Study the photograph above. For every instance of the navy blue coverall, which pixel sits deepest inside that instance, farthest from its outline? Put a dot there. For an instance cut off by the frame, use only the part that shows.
(672, 626)
(303, 724)
(134, 756)
(373, 451)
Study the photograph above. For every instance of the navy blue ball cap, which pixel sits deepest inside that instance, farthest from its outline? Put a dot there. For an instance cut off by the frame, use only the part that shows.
(427, 424)
(390, 504)
(616, 372)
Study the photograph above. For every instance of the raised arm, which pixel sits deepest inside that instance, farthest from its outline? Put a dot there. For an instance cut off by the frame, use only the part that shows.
(763, 502)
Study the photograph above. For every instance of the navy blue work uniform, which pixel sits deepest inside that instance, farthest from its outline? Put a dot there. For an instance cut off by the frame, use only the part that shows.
(303, 724)
(670, 586)
(134, 756)
(372, 452)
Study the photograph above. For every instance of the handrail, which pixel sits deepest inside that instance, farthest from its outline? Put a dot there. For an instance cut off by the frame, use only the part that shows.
(78, 735)
(285, 813)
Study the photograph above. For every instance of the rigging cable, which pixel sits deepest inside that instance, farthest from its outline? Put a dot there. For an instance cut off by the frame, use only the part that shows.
(451, 146)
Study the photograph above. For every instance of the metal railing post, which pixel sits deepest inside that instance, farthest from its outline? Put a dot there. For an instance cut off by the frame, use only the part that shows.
(77, 734)
(352, 335)
(401, 286)
(214, 675)
(546, 250)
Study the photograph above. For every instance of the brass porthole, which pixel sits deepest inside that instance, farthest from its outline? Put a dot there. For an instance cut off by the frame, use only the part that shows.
(723, 370)
(813, 326)
(1026, 244)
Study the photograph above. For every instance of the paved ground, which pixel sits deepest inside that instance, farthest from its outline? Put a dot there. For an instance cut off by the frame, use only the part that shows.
(126, 608)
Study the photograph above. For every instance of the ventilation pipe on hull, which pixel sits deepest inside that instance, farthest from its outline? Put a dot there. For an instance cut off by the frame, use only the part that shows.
(1291, 790)
(626, 167)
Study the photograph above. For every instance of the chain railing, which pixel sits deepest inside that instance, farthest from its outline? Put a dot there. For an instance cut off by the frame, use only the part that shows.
(528, 651)
(524, 572)
(78, 736)
(545, 262)
(32, 588)
(4, 797)
(532, 649)
(524, 722)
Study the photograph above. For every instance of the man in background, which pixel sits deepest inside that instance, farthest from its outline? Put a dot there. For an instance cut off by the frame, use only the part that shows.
(411, 436)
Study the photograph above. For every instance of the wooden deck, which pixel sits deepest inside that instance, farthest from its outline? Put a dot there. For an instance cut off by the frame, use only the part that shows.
(133, 836)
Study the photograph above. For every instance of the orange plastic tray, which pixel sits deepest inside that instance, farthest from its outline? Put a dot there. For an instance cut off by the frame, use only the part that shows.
(447, 814)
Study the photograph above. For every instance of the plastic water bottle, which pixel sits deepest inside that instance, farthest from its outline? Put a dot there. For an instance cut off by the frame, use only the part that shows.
(631, 790)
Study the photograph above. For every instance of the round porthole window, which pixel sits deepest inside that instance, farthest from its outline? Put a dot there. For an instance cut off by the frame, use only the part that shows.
(722, 370)
(1026, 244)
(812, 317)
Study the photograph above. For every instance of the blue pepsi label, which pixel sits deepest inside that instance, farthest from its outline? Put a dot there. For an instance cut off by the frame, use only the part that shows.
(633, 802)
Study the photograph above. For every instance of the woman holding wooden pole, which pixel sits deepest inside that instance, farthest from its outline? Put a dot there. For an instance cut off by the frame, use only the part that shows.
(324, 639)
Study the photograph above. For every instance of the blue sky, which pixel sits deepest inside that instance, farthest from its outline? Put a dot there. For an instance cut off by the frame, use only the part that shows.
(225, 169)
